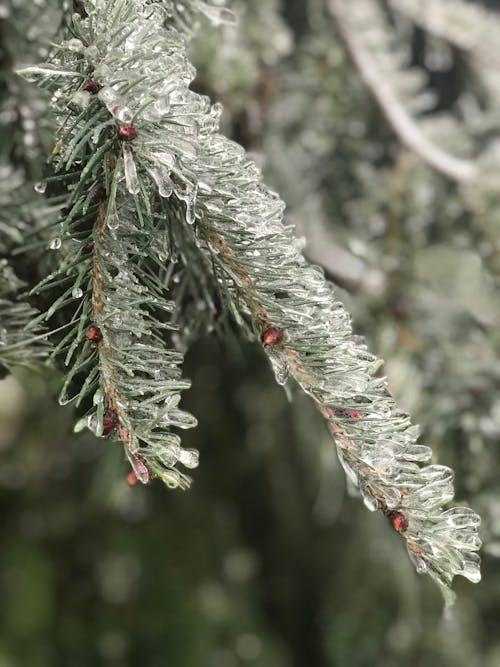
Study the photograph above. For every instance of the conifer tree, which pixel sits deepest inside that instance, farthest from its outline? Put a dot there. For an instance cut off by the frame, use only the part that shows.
(159, 229)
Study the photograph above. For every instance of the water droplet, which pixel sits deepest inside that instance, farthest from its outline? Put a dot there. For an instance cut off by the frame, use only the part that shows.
(55, 244)
(113, 220)
(41, 187)
(122, 114)
(420, 565)
(77, 293)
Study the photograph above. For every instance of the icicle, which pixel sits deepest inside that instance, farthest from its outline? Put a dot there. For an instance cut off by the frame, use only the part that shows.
(369, 501)
(279, 364)
(187, 194)
(80, 425)
(190, 209)
(417, 453)
(91, 421)
(179, 418)
(170, 455)
(139, 467)
(189, 458)
(131, 178)
(115, 105)
(161, 177)
(471, 567)
(113, 219)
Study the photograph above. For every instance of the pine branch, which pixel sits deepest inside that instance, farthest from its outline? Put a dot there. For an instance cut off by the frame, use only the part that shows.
(115, 246)
(23, 122)
(307, 333)
(139, 375)
(140, 112)
(383, 91)
(22, 341)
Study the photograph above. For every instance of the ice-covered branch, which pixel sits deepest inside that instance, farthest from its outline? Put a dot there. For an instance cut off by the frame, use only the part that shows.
(383, 91)
(307, 334)
(174, 188)
(118, 277)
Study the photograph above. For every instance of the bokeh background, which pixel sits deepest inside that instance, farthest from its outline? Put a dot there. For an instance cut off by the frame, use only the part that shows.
(267, 561)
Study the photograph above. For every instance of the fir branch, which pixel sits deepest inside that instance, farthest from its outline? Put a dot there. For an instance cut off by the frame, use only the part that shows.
(170, 144)
(306, 332)
(139, 375)
(115, 251)
(380, 86)
(23, 124)
(22, 341)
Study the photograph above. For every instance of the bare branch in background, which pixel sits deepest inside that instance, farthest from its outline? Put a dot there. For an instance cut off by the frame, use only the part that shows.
(406, 128)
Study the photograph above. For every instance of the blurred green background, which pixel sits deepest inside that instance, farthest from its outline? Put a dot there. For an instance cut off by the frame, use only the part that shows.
(267, 562)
